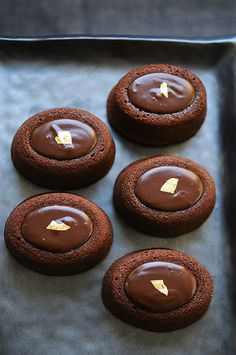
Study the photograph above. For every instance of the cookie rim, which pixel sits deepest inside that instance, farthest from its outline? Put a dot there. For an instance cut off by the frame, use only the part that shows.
(138, 209)
(26, 253)
(26, 129)
(159, 119)
(114, 287)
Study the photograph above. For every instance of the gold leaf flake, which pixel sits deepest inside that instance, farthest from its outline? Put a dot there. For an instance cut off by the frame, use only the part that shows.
(160, 286)
(164, 89)
(64, 137)
(53, 225)
(170, 185)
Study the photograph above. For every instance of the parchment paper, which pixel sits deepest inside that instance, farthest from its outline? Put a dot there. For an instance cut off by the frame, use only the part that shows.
(64, 315)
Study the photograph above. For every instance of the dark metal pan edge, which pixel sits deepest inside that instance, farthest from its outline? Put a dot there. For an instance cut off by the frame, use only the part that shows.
(196, 40)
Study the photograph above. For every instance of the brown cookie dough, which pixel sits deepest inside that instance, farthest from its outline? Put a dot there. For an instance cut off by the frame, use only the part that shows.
(164, 196)
(157, 104)
(58, 233)
(63, 149)
(169, 313)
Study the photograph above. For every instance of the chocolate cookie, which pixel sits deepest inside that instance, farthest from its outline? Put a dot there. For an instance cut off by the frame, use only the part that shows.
(164, 196)
(58, 233)
(157, 289)
(63, 149)
(157, 104)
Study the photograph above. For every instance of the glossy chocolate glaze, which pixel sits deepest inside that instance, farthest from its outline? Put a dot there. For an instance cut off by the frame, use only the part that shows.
(179, 281)
(83, 139)
(145, 93)
(188, 190)
(34, 228)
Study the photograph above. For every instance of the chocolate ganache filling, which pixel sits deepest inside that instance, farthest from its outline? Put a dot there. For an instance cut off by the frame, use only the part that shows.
(160, 286)
(161, 93)
(63, 139)
(57, 228)
(169, 188)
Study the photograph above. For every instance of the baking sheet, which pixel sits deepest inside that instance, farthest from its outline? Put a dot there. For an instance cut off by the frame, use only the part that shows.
(64, 315)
